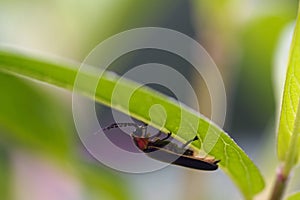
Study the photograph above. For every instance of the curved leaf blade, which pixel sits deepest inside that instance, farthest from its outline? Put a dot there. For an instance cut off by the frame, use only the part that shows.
(290, 101)
(234, 161)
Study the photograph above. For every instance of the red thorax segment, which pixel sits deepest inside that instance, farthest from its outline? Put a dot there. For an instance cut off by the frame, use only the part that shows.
(141, 143)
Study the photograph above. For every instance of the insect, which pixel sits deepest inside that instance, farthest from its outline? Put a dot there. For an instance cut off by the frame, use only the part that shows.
(166, 151)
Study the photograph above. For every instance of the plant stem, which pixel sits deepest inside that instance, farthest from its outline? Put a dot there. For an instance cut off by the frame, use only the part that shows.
(280, 185)
(285, 169)
(289, 160)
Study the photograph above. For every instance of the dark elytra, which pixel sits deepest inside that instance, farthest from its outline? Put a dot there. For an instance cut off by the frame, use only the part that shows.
(166, 151)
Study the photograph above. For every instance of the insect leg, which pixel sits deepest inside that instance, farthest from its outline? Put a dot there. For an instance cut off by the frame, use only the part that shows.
(157, 136)
(190, 141)
(144, 129)
(167, 137)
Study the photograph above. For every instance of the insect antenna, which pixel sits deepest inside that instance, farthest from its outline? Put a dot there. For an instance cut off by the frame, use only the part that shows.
(140, 130)
(117, 125)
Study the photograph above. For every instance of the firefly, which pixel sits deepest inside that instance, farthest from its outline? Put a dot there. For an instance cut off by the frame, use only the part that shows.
(165, 150)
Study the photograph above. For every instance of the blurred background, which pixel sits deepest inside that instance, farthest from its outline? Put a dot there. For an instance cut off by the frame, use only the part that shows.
(41, 156)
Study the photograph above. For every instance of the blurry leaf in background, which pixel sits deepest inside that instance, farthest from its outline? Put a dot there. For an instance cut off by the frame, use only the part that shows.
(217, 30)
(63, 27)
(241, 38)
(31, 120)
(255, 99)
(131, 14)
(295, 196)
(72, 28)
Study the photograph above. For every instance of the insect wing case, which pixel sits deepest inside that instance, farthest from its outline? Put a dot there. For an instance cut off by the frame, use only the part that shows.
(167, 156)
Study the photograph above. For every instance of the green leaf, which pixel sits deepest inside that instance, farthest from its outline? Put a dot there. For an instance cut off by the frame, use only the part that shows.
(29, 118)
(288, 135)
(295, 196)
(233, 160)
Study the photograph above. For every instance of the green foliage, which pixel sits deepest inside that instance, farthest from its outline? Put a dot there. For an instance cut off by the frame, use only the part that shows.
(255, 78)
(295, 196)
(25, 121)
(288, 141)
(288, 133)
(233, 160)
